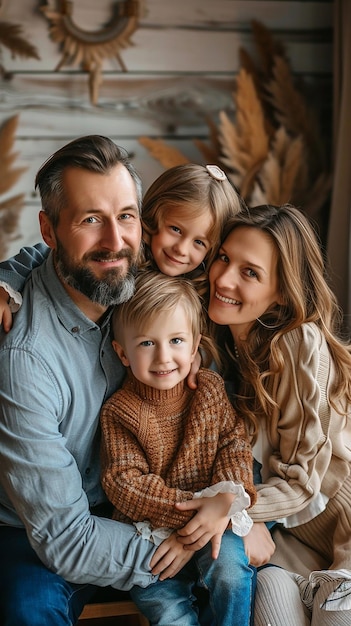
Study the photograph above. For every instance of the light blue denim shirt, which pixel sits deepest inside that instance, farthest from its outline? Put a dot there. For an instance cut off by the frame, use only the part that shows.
(57, 367)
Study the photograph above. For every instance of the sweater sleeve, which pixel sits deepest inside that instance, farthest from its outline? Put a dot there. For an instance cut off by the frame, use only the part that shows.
(16, 270)
(135, 493)
(234, 460)
(301, 448)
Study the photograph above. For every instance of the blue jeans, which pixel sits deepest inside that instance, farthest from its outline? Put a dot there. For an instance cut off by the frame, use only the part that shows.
(229, 580)
(30, 594)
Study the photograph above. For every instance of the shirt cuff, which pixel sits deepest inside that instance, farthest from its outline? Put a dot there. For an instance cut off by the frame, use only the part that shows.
(156, 535)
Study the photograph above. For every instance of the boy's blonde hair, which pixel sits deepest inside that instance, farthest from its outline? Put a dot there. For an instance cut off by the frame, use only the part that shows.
(156, 293)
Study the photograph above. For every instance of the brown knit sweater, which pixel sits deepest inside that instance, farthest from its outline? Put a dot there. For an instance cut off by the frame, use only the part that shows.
(159, 447)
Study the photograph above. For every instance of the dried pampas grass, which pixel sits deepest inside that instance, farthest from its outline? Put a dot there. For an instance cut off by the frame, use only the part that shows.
(12, 39)
(272, 148)
(166, 155)
(10, 208)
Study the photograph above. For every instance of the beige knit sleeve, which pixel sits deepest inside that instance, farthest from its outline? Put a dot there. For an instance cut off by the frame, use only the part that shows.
(301, 452)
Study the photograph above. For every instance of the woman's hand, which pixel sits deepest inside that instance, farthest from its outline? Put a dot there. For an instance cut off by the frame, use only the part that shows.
(259, 545)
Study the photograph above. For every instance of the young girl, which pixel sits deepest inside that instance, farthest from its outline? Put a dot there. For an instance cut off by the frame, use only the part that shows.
(183, 214)
(162, 442)
(277, 321)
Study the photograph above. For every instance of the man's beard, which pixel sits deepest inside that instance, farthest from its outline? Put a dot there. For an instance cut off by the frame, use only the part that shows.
(114, 288)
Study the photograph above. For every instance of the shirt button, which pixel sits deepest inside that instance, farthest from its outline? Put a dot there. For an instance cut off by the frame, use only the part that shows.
(87, 471)
(75, 329)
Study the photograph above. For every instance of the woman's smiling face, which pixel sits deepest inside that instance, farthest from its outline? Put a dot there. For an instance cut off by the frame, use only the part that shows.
(243, 279)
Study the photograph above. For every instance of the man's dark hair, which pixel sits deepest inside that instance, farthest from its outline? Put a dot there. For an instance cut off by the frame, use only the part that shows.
(92, 152)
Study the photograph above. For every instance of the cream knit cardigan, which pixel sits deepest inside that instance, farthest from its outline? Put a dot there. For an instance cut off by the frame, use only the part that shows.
(309, 442)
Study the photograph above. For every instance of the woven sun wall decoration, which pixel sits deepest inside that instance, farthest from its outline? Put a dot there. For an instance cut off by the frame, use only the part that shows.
(89, 49)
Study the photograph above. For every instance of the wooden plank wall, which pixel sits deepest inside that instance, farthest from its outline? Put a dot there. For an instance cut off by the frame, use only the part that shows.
(180, 68)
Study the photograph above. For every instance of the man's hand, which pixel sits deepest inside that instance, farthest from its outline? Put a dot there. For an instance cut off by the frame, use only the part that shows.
(169, 558)
(5, 312)
(259, 545)
(209, 523)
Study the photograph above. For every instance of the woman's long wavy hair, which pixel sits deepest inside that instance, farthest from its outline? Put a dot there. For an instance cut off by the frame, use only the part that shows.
(306, 297)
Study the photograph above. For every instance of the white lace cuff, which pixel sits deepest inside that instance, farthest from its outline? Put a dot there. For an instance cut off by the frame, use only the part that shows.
(156, 535)
(241, 521)
(15, 301)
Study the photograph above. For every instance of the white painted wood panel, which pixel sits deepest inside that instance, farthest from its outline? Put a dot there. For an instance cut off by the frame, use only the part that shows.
(148, 103)
(165, 42)
(281, 14)
(181, 67)
(188, 51)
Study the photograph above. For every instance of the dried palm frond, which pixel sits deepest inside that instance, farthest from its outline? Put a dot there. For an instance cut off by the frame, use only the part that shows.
(9, 219)
(211, 152)
(267, 47)
(166, 155)
(281, 172)
(7, 135)
(313, 197)
(292, 111)
(291, 154)
(245, 145)
(11, 37)
(270, 179)
(10, 175)
(11, 207)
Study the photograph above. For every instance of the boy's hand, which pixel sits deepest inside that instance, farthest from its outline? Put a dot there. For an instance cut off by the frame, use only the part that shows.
(259, 545)
(169, 558)
(208, 524)
(5, 311)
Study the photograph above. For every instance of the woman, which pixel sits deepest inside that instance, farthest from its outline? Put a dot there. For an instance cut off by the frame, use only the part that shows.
(276, 321)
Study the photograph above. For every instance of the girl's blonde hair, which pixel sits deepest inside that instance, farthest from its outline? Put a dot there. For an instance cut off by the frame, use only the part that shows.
(192, 190)
(306, 297)
(156, 293)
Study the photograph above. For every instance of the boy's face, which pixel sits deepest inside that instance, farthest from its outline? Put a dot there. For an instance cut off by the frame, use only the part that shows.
(160, 356)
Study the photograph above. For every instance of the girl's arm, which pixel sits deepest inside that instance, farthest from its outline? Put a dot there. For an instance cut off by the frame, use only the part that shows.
(13, 275)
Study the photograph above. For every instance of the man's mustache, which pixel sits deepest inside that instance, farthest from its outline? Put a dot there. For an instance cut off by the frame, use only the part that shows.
(109, 256)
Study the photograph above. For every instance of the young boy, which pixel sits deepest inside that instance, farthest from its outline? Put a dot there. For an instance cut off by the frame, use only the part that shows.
(163, 443)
